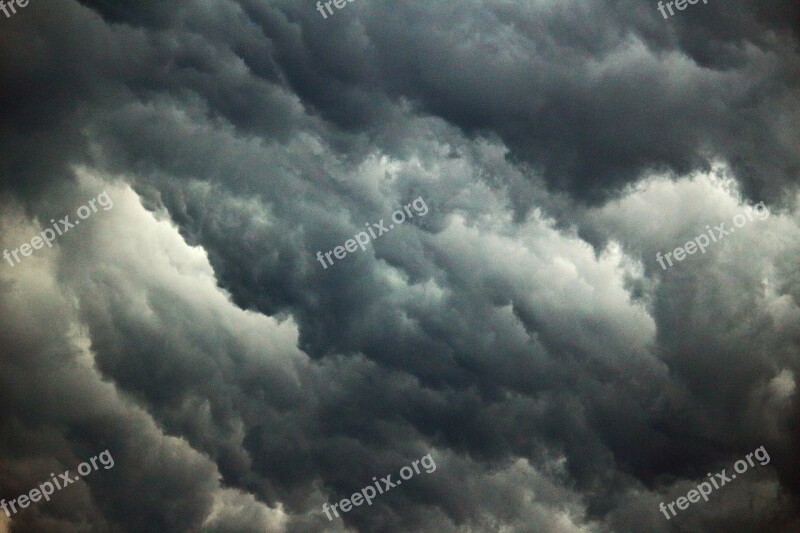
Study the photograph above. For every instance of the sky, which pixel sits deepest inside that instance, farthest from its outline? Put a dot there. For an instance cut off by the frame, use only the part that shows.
(587, 308)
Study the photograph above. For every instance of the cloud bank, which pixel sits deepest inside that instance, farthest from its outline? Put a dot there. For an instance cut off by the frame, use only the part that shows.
(521, 332)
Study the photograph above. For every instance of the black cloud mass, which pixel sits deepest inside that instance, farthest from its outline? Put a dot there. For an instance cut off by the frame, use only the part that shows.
(523, 332)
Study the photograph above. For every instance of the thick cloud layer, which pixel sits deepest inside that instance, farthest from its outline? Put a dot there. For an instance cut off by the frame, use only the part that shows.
(521, 330)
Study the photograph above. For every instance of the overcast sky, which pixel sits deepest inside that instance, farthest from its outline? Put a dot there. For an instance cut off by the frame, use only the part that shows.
(522, 331)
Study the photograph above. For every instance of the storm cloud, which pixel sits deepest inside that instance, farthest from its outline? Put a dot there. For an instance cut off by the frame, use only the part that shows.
(522, 332)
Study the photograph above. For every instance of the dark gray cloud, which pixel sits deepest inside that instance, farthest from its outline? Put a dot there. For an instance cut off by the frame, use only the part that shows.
(521, 331)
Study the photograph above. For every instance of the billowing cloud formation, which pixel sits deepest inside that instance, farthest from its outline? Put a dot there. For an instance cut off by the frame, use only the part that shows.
(522, 332)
